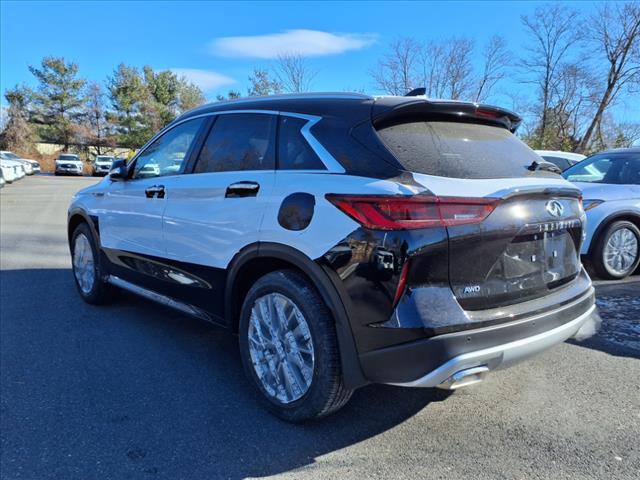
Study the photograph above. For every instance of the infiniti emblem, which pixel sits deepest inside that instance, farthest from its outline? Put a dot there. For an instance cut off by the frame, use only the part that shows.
(554, 208)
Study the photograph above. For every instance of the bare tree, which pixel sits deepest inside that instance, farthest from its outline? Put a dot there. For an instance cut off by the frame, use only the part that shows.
(432, 66)
(293, 73)
(459, 70)
(262, 84)
(615, 34)
(495, 59)
(395, 72)
(553, 31)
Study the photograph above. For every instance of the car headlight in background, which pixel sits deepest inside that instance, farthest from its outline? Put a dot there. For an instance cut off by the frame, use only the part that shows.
(589, 204)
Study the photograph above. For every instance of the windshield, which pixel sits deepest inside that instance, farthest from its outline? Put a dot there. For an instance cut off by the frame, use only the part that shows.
(69, 157)
(612, 168)
(104, 159)
(9, 156)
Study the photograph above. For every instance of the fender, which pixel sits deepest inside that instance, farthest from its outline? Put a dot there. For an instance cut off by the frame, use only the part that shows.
(327, 286)
(91, 220)
(618, 215)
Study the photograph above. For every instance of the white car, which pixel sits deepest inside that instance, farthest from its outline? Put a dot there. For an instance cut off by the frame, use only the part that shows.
(31, 166)
(68, 163)
(12, 170)
(2, 180)
(563, 160)
(102, 165)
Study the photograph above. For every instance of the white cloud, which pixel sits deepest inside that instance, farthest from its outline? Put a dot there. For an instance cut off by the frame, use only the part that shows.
(205, 79)
(309, 43)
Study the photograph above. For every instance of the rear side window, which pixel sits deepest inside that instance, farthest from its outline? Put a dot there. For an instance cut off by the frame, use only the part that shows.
(239, 142)
(294, 153)
(458, 150)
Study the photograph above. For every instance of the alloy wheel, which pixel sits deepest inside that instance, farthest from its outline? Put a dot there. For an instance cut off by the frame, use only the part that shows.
(281, 347)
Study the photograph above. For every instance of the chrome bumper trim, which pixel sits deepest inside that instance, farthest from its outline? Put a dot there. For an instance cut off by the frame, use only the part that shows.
(501, 356)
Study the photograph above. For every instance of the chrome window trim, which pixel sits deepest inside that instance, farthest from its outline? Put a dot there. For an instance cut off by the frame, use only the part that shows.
(332, 165)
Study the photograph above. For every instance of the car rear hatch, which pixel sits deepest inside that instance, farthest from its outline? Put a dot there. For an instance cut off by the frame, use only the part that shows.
(529, 243)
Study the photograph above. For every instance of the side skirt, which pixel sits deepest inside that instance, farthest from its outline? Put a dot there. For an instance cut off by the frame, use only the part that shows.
(162, 299)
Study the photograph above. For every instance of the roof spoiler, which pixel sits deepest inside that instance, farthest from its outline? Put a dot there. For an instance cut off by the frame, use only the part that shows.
(465, 111)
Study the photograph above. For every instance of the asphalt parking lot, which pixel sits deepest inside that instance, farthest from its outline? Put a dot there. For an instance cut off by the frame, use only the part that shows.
(135, 390)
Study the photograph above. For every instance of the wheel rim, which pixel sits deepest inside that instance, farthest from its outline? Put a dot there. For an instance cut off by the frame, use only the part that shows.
(281, 347)
(83, 263)
(621, 251)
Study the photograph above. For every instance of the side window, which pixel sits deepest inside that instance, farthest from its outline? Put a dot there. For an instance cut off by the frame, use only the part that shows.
(166, 154)
(239, 141)
(294, 153)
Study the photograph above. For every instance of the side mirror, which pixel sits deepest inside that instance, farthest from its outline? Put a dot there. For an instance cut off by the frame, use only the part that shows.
(118, 170)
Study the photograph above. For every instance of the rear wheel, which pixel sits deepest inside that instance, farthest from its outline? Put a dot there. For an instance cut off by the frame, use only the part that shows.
(289, 348)
(617, 251)
(87, 270)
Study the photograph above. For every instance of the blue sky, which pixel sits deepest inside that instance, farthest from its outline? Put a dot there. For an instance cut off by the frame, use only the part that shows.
(218, 44)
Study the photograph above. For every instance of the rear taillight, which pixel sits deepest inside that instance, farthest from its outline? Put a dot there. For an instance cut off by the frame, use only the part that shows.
(380, 212)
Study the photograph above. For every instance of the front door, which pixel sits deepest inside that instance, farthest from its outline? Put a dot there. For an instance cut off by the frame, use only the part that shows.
(131, 217)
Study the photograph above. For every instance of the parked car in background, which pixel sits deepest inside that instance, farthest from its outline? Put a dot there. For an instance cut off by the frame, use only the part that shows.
(69, 164)
(31, 166)
(13, 170)
(347, 239)
(563, 160)
(610, 184)
(102, 165)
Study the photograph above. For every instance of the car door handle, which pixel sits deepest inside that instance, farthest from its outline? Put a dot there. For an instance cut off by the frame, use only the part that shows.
(155, 191)
(242, 189)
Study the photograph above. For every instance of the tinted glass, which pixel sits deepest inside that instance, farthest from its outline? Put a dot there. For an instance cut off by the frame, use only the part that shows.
(294, 153)
(239, 142)
(166, 154)
(69, 157)
(459, 150)
(616, 168)
(563, 163)
(9, 155)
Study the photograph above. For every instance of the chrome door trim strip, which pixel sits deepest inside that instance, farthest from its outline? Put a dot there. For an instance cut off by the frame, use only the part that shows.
(333, 166)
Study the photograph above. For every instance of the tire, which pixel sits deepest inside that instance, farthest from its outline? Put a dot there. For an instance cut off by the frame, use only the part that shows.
(92, 287)
(325, 392)
(607, 240)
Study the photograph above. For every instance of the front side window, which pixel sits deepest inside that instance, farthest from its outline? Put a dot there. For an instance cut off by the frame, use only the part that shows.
(166, 154)
(616, 168)
(294, 153)
(237, 142)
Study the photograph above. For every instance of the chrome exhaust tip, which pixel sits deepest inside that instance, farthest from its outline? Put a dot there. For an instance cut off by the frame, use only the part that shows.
(464, 378)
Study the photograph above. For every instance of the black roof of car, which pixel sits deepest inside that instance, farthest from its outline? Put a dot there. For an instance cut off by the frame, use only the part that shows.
(357, 107)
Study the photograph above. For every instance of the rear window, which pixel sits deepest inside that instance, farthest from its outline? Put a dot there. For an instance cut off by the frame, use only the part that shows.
(458, 150)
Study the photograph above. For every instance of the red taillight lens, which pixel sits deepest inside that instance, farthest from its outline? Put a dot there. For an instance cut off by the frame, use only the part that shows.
(378, 212)
(402, 283)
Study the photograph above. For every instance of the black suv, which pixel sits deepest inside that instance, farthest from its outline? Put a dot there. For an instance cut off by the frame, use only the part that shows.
(346, 239)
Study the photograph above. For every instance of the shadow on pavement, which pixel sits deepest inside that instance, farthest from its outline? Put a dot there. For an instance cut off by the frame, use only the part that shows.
(133, 389)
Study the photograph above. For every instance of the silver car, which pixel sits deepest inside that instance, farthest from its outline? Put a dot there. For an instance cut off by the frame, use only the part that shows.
(610, 184)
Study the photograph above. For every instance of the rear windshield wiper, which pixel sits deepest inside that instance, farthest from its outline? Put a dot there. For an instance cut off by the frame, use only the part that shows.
(544, 165)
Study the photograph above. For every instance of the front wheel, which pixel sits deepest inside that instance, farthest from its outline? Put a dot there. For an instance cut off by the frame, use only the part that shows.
(87, 270)
(289, 348)
(617, 251)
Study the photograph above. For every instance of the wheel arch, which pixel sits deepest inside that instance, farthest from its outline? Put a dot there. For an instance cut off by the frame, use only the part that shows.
(622, 215)
(76, 217)
(258, 259)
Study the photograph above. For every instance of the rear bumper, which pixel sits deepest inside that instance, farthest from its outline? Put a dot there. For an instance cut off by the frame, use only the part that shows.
(432, 362)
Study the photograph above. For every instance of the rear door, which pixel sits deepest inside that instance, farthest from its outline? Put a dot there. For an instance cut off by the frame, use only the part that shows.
(218, 207)
(529, 244)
